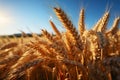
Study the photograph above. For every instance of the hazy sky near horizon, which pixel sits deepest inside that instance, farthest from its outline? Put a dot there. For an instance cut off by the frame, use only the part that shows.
(33, 15)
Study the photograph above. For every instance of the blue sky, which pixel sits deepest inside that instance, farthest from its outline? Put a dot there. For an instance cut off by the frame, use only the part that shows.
(33, 15)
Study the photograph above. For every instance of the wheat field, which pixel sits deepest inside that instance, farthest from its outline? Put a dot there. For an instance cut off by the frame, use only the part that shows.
(76, 54)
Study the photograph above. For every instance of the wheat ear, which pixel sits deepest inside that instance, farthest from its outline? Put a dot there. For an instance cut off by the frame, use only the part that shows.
(37, 47)
(81, 23)
(48, 36)
(27, 65)
(16, 72)
(67, 24)
(104, 22)
(9, 59)
(3, 53)
(35, 36)
(9, 45)
(24, 58)
(114, 27)
(95, 28)
(55, 29)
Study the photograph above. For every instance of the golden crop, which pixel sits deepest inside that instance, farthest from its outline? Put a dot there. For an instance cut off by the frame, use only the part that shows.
(73, 55)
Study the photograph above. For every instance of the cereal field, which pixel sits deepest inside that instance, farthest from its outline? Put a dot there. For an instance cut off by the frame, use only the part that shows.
(76, 54)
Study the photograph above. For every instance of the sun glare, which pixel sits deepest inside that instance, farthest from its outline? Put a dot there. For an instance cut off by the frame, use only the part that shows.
(5, 19)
